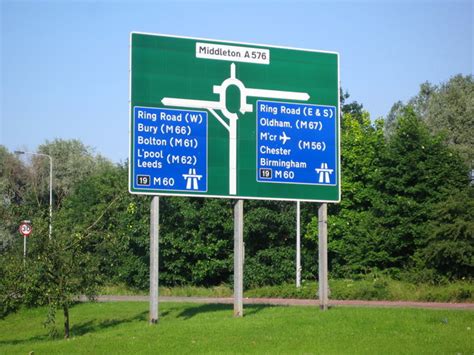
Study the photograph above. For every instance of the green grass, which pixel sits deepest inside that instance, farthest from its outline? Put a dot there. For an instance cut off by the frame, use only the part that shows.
(366, 289)
(188, 328)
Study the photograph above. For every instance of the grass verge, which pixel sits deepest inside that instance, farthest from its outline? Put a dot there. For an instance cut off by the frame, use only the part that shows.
(367, 289)
(184, 328)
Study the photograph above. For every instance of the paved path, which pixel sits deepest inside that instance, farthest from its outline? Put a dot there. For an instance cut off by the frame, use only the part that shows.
(290, 302)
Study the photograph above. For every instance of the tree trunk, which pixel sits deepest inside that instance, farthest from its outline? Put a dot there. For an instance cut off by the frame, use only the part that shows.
(66, 321)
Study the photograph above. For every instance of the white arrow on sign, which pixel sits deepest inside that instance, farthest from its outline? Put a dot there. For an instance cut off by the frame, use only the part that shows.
(231, 127)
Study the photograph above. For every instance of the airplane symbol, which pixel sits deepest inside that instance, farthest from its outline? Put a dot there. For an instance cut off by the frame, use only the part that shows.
(284, 137)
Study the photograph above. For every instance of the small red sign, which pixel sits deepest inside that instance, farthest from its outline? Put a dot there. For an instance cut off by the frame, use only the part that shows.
(25, 229)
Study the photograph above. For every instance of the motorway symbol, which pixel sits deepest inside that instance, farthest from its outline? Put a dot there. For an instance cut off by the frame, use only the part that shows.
(192, 179)
(324, 173)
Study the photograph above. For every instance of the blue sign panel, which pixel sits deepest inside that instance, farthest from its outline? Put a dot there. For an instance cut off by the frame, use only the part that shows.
(169, 150)
(296, 143)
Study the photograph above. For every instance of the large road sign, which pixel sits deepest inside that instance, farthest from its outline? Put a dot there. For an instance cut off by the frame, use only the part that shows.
(211, 118)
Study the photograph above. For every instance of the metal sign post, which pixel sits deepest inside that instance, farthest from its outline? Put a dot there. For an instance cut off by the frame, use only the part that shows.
(298, 245)
(238, 258)
(323, 256)
(154, 258)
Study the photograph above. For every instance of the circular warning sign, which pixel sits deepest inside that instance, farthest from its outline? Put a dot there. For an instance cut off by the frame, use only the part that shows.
(25, 229)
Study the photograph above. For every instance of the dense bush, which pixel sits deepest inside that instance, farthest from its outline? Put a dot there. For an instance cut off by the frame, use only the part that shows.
(269, 267)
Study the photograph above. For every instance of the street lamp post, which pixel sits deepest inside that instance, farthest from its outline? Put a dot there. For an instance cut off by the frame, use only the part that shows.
(50, 185)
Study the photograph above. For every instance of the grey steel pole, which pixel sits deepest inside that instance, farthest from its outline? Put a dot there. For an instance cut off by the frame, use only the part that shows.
(323, 257)
(154, 249)
(24, 250)
(238, 257)
(298, 245)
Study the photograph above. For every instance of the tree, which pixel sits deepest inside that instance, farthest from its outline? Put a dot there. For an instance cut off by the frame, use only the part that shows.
(450, 111)
(195, 234)
(24, 184)
(12, 282)
(355, 109)
(54, 272)
(120, 235)
(416, 169)
(447, 109)
(12, 192)
(72, 162)
(391, 119)
(449, 247)
(69, 268)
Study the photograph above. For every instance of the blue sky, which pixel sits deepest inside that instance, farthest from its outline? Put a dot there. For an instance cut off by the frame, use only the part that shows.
(64, 64)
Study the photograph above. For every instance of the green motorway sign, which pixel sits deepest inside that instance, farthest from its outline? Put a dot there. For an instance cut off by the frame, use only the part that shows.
(212, 118)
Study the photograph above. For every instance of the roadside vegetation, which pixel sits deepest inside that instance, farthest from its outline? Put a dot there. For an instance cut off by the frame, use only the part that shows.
(369, 288)
(404, 228)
